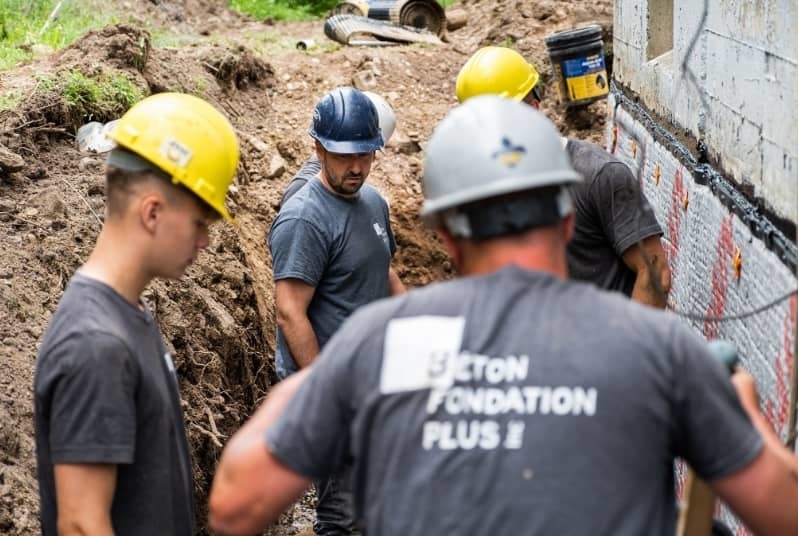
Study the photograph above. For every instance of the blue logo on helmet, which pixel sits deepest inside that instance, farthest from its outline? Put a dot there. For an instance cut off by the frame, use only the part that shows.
(509, 155)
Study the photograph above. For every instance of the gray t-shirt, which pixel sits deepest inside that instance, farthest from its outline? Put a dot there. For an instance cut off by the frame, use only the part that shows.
(309, 169)
(340, 246)
(504, 404)
(105, 391)
(612, 215)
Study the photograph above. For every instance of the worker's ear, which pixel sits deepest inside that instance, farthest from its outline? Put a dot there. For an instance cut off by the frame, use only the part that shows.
(532, 100)
(319, 150)
(451, 246)
(568, 223)
(150, 210)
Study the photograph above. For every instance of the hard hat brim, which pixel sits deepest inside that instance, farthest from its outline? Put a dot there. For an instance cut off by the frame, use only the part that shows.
(352, 147)
(507, 185)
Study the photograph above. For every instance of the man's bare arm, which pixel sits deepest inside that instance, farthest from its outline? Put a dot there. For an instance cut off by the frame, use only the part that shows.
(395, 284)
(251, 487)
(292, 298)
(653, 277)
(764, 493)
(84, 493)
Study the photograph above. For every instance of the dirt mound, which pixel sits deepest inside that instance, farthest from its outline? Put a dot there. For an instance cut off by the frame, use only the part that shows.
(219, 319)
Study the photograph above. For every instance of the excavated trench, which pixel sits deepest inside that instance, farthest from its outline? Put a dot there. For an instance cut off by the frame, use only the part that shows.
(219, 319)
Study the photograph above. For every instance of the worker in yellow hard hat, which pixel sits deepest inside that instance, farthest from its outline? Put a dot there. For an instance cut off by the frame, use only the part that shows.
(499, 71)
(617, 238)
(111, 446)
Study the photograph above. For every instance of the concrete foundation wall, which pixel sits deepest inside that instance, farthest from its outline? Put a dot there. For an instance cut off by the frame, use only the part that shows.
(739, 92)
(719, 267)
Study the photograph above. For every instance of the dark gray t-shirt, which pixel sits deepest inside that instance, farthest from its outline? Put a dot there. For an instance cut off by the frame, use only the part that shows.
(612, 215)
(341, 246)
(504, 404)
(309, 169)
(106, 392)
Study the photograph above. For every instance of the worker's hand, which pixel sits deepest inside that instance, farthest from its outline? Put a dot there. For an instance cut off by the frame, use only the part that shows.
(746, 390)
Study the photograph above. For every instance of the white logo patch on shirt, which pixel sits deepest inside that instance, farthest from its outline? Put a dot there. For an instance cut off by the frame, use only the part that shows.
(381, 232)
(419, 353)
(475, 401)
(170, 365)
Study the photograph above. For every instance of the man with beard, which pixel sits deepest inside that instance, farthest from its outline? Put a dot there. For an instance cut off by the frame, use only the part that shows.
(312, 166)
(331, 247)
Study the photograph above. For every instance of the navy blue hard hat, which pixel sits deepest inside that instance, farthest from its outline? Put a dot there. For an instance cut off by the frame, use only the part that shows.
(345, 121)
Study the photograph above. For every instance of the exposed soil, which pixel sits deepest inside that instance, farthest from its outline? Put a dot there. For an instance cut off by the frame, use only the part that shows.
(219, 319)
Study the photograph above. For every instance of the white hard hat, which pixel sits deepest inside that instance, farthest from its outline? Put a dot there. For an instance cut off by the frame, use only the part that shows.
(488, 147)
(387, 117)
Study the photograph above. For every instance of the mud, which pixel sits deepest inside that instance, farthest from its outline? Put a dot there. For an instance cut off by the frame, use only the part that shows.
(219, 319)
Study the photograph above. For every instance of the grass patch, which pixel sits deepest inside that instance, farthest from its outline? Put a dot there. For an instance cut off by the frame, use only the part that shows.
(10, 100)
(24, 23)
(292, 9)
(93, 98)
(282, 9)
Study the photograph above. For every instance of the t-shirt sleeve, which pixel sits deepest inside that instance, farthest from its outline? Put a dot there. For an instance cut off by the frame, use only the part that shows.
(299, 250)
(92, 401)
(307, 172)
(391, 237)
(713, 432)
(623, 209)
(311, 436)
(293, 187)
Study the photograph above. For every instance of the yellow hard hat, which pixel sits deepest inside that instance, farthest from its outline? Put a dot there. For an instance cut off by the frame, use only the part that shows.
(187, 138)
(496, 71)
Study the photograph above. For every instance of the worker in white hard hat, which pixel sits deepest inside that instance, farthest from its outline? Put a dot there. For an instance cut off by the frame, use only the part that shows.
(509, 400)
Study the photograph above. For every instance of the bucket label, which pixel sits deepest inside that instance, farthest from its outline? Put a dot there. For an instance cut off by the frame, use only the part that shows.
(586, 77)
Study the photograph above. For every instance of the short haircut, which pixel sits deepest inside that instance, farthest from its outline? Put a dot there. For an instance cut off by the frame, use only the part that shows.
(126, 170)
(509, 214)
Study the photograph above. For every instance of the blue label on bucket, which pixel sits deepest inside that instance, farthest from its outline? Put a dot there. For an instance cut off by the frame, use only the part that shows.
(583, 66)
(585, 77)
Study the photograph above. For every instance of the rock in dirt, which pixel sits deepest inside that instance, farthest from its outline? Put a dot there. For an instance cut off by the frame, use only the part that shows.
(10, 161)
(276, 167)
(364, 80)
(404, 143)
(456, 19)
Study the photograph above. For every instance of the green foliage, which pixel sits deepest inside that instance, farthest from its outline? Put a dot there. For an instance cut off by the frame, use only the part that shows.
(292, 9)
(508, 42)
(24, 23)
(101, 97)
(9, 100)
(283, 9)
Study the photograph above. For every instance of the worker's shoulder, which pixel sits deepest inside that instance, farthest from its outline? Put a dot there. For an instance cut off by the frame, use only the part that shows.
(307, 204)
(587, 149)
(372, 195)
(589, 158)
(436, 298)
(90, 311)
(580, 301)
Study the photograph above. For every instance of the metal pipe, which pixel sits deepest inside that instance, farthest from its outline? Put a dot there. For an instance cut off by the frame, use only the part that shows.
(52, 17)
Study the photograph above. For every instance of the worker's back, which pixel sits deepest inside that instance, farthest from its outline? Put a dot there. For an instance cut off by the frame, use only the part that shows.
(517, 403)
(612, 215)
